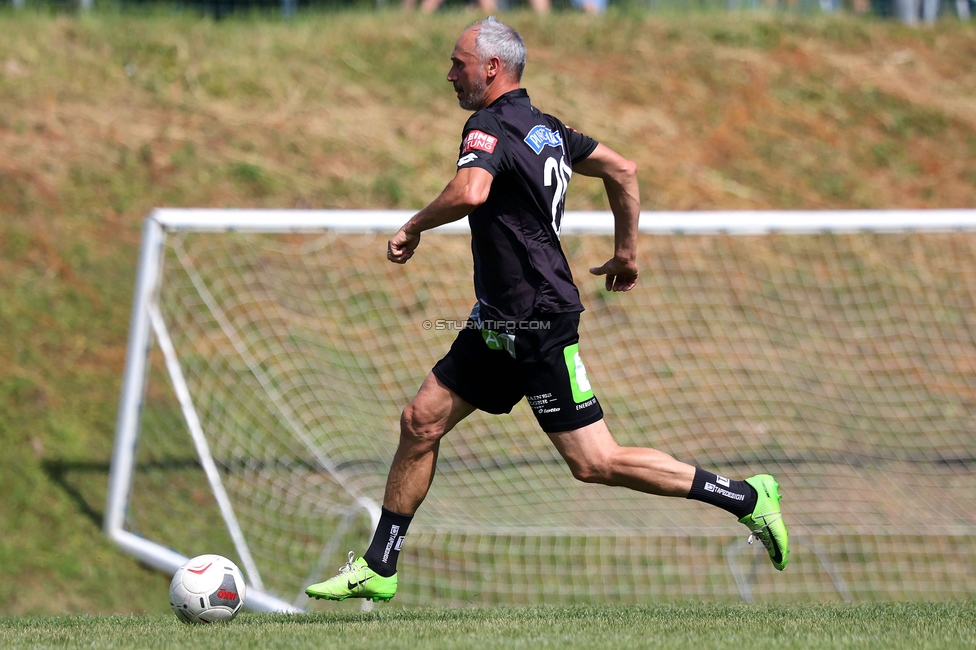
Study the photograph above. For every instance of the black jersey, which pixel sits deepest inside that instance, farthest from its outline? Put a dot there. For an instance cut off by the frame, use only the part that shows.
(519, 266)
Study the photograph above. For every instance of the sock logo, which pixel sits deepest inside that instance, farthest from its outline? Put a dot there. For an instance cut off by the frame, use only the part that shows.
(711, 487)
(721, 480)
(394, 531)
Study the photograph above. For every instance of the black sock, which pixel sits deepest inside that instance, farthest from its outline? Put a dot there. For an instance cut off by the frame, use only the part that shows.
(383, 551)
(737, 497)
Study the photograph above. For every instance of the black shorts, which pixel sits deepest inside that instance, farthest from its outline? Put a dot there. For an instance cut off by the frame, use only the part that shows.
(493, 369)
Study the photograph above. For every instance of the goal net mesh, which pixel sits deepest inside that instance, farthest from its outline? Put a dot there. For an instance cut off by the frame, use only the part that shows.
(844, 364)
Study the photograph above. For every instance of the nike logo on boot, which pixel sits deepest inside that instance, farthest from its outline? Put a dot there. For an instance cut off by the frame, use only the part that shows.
(354, 585)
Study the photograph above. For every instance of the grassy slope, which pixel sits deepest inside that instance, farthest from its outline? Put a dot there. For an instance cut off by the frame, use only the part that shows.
(104, 117)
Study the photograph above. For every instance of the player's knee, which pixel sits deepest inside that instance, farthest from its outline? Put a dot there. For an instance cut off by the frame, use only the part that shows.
(590, 470)
(420, 427)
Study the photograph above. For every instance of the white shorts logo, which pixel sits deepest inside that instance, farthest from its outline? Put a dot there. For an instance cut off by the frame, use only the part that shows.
(581, 380)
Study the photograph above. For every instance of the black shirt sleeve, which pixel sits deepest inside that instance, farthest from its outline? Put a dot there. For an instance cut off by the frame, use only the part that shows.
(580, 146)
(483, 144)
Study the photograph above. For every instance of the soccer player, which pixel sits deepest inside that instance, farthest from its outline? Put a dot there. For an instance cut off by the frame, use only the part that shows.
(513, 169)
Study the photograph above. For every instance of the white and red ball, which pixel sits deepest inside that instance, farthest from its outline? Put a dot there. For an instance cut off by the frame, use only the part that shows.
(207, 589)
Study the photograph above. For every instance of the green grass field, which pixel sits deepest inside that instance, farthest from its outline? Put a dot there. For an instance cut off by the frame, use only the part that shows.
(670, 627)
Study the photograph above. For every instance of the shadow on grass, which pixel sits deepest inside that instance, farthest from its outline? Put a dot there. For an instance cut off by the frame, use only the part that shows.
(86, 482)
(74, 477)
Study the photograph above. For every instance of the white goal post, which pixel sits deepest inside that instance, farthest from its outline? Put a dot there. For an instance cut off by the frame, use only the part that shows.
(270, 352)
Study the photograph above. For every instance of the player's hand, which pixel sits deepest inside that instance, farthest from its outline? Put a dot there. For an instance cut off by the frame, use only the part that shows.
(621, 274)
(401, 246)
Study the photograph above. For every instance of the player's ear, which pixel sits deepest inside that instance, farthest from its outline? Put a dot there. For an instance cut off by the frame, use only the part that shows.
(493, 67)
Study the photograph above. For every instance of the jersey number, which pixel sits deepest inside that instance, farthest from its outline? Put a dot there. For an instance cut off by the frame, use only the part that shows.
(558, 173)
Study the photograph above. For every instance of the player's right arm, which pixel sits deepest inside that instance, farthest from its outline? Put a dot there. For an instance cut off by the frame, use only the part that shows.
(467, 190)
(619, 177)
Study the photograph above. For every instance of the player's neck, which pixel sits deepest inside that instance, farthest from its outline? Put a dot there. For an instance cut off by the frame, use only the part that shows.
(498, 89)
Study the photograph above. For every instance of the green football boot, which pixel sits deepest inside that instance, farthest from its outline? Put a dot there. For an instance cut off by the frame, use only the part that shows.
(766, 520)
(355, 580)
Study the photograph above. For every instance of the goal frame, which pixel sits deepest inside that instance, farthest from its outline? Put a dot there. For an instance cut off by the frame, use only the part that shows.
(148, 277)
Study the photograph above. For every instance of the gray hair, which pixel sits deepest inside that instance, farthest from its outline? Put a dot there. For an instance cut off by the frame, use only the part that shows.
(497, 39)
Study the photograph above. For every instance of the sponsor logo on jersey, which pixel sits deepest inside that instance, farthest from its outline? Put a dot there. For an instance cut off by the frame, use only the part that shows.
(479, 140)
(471, 157)
(499, 341)
(541, 137)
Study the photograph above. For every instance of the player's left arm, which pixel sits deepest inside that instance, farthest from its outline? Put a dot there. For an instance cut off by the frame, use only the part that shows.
(467, 190)
(619, 177)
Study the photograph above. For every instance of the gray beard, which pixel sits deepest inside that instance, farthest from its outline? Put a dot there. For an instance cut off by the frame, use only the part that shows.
(475, 99)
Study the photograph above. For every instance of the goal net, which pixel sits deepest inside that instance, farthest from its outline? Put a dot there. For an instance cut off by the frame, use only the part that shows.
(271, 354)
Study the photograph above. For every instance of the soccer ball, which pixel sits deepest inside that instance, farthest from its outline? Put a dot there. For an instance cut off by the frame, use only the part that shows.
(208, 588)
